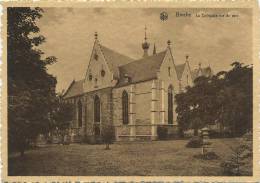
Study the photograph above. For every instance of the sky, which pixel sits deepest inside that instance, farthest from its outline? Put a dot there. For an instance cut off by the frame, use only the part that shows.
(217, 42)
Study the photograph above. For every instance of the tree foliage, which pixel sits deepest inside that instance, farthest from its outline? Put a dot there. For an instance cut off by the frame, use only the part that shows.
(224, 98)
(62, 116)
(31, 90)
(108, 135)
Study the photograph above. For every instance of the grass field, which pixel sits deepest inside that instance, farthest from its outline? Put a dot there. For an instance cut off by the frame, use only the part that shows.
(137, 158)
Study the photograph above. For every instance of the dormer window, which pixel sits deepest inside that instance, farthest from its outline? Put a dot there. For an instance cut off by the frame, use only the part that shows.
(169, 71)
(103, 73)
(127, 78)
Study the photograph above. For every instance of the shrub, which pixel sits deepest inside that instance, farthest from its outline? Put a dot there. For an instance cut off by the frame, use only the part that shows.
(248, 136)
(108, 135)
(162, 132)
(215, 134)
(239, 158)
(207, 156)
(195, 142)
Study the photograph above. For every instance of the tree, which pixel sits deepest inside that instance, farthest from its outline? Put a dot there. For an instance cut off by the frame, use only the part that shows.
(62, 116)
(195, 106)
(238, 96)
(108, 135)
(224, 98)
(31, 90)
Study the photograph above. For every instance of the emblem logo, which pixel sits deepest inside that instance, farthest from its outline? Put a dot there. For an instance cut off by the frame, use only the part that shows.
(164, 16)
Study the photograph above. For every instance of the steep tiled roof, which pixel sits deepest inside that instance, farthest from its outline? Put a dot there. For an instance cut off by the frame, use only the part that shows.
(75, 88)
(204, 71)
(141, 70)
(114, 59)
(179, 70)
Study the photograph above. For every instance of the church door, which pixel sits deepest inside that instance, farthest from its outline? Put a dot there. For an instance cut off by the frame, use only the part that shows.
(170, 105)
(97, 115)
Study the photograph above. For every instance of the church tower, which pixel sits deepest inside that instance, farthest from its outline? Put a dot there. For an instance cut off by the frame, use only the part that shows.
(145, 44)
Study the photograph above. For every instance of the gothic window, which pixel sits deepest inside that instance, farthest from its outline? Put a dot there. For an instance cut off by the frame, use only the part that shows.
(187, 79)
(169, 71)
(79, 114)
(170, 105)
(96, 109)
(103, 72)
(86, 115)
(96, 56)
(125, 108)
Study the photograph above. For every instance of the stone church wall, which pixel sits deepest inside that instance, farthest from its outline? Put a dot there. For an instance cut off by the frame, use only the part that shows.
(78, 133)
(105, 96)
(139, 110)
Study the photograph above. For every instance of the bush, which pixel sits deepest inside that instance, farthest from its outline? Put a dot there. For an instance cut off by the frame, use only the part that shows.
(108, 135)
(240, 157)
(215, 134)
(248, 136)
(223, 134)
(162, 132)
(195, 142)
(207, 156)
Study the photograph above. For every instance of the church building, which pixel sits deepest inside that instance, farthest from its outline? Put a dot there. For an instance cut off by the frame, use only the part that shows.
(134, 96)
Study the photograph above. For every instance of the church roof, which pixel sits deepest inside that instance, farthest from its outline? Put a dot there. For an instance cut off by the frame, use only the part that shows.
(180, 69)
(75, 88)
(207, 71)
(114, 59)
(141, 70)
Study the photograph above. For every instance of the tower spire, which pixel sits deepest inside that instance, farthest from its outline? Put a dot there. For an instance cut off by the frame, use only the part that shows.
(187, 58)
(145, 28)
(96, 35)
(145, 44)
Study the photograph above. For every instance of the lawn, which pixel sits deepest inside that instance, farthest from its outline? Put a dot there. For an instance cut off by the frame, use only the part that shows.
(136, 158)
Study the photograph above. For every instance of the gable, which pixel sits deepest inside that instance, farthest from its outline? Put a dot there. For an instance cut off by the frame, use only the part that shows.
(98, 74)
(186, 78)
(168, 68)
(207, 72)
(179, 69)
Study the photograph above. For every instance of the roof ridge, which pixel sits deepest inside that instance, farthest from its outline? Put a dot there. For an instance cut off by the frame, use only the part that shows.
(102, 46)
(144, 58)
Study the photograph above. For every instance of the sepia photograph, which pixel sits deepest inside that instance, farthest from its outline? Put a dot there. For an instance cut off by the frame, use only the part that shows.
(104, 91)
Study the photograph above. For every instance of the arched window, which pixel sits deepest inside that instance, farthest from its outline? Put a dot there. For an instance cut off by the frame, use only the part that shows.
(170, 104)
(169, 71)
(79, 114)
(96, 109)
(125, 107)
